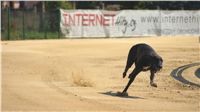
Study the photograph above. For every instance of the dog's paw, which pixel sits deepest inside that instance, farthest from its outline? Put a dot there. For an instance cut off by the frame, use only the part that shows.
(124, 75)
(122, 94)
(153, 84)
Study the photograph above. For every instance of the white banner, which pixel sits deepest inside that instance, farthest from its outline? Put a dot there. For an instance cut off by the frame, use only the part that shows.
(127, 23)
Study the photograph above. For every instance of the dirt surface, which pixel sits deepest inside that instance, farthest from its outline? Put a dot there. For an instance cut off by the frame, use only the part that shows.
(85, 74)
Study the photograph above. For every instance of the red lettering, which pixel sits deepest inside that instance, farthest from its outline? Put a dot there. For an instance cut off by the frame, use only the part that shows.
(88, 19)
(99, 19)
(78, 20)
(91, 19)
(72, 20)
(106, 22)
(112, 18)
(65, 19)
(85, 19)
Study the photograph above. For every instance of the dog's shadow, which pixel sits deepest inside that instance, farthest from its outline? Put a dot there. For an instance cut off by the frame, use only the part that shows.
(114, 94)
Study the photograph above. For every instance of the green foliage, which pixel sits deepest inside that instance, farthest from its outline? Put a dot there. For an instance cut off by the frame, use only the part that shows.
(140, 5)
(52, 8)
(151, 5)
(88, 4)
(167, 5)
(54, 5)
(17, 35)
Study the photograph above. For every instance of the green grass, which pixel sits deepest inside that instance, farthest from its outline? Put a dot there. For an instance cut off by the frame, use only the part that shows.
(29, 35)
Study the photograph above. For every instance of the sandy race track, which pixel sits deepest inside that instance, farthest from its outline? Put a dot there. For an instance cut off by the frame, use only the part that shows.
(83, 75)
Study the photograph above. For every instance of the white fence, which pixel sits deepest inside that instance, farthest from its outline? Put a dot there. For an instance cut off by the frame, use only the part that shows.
(127, 23)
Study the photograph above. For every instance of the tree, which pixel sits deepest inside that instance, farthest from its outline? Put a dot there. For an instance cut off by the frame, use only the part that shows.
(54, 5)
(52, 13)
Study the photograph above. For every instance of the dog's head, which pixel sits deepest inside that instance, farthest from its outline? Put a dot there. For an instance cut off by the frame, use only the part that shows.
(157, 64)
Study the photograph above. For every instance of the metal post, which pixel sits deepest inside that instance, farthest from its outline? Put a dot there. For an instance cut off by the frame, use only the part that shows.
(8, 25)
(58, 23)
(23, 29)
(74, 4)
(45, 26)
(44, 20)
(102, 5)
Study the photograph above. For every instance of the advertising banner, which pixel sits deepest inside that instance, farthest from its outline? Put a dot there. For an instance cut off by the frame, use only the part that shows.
(128, 23)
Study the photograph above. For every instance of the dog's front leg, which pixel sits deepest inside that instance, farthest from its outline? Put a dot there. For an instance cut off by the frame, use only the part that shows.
(132, 76)
(152, 83)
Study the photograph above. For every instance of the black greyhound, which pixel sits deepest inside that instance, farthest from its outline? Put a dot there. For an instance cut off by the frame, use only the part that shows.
(145, 58)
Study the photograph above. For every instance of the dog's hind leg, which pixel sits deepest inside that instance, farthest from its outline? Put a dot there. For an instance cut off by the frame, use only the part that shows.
(130, 61)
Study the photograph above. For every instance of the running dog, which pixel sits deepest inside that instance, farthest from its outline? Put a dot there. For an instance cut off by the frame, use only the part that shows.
(145, 58)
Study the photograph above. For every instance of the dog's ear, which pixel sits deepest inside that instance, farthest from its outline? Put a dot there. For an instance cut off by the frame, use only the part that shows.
(157, 59)
(160, 59)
